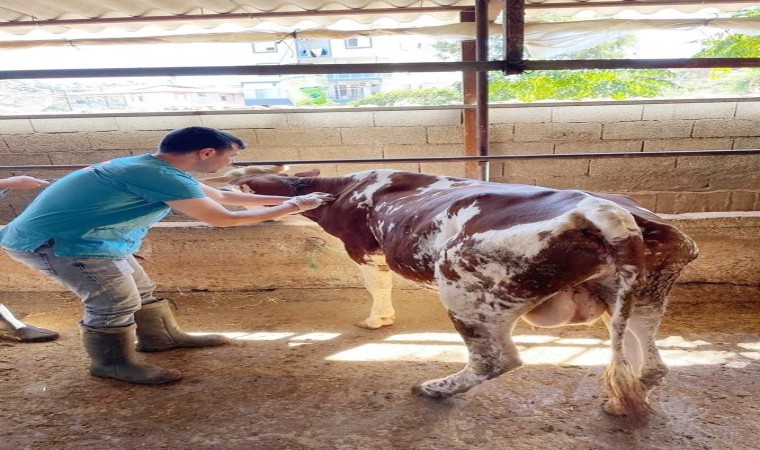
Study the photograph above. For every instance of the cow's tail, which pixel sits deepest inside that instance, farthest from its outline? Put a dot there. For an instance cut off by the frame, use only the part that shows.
(627, 394)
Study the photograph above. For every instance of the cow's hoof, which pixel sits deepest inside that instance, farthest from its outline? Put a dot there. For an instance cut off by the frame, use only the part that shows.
(423, 391)
(374, 324)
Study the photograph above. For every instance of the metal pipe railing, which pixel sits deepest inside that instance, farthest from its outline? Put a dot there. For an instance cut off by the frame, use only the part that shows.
(444, 159)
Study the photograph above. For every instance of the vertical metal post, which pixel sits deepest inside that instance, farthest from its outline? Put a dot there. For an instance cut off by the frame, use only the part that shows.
(514, 32)
(481, 54)
(469, 91)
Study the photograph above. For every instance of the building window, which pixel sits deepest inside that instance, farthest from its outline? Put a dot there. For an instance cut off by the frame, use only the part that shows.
(359, 42)
(265, 47)
(224, 98)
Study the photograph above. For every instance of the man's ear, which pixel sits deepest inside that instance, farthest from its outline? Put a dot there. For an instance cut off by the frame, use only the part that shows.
(206, 153)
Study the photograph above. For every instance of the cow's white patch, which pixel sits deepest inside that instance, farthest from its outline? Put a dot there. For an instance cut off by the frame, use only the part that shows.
(363, 198)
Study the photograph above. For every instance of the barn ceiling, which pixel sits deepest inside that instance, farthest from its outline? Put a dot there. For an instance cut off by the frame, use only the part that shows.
(38, 19)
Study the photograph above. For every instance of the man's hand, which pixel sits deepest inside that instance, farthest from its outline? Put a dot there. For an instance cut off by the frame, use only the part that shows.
(22, 182)
(310, 201)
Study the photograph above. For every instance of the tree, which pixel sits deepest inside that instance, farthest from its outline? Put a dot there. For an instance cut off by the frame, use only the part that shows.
(576, 85)
(427, 96)
(732, 45)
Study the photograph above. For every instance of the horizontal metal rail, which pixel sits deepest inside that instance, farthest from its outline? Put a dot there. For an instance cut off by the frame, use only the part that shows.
(459, 66)
(443, 159)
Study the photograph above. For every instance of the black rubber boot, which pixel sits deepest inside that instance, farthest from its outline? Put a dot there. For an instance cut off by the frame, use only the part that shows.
(15, 330)
(157, 330)
(113, 355)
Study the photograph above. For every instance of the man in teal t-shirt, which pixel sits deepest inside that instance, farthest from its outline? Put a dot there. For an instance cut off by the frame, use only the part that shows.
(83, 230)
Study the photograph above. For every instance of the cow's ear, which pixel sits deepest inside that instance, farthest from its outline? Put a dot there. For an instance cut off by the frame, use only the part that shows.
(307, 174)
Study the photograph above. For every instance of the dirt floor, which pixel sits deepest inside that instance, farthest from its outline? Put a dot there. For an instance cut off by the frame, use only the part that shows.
(300, 376)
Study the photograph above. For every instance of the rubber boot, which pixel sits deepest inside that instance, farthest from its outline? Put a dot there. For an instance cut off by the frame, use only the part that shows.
(13, 329)
(113, 355)
(157, 330)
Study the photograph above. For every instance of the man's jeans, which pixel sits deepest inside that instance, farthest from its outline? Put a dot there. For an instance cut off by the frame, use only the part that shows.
(110, 289)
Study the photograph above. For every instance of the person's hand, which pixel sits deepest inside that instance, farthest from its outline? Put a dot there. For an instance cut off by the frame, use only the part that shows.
(309, 201)
(22, 182)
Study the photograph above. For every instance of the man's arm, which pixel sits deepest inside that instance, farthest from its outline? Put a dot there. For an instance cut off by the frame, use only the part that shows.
(231, 198)
(208, 210)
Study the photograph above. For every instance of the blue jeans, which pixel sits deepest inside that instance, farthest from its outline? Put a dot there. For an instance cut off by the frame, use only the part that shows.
(110, 289)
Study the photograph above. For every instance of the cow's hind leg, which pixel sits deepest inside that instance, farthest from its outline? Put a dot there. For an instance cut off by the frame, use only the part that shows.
(487, 335)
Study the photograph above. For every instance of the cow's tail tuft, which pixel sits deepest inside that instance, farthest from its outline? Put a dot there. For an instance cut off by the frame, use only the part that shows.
(627, 394)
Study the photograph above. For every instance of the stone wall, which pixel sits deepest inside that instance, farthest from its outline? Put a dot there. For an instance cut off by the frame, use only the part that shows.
(666, 185)
(296, 253)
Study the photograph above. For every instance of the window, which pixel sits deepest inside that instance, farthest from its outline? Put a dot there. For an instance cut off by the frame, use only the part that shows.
(359, 42)
(265, 47)
(224, 98)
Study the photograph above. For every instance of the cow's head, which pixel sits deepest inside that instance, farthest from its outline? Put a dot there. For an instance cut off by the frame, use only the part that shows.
(270, 180)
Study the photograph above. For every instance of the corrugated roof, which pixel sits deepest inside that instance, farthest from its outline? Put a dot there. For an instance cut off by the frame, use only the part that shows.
(22, 17)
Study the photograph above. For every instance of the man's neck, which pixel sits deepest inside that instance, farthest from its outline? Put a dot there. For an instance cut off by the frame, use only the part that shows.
(181, 162)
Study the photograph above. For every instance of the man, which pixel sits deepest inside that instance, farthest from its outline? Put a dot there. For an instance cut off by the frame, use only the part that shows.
(84, 229)
(12, 328)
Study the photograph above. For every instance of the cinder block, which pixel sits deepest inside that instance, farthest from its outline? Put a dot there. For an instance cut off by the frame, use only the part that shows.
(247, 135)
(522, 148)
(720, 169)
(266, 153)
(597, 146)
(678, 111)
(417, 118)
(421, 151)
(501, 133)
(646, 199)
(384, 135)
(557, 131)
(746, 142)
(298, 137)
(157, 122)
(546, 168)
(666, 203)
(748, 110)
(449, 169)
(3, 146)
(344, 169)
(453, 134)
(39, 143)
(717, 200)
(137, 141)
(26, 159)
(15, 126)
(522, 114)
(726, 127)
(647, 130)
(690, 202)
(341, 152)
(617, 166)
(742, 200)
(597, 113)
(74, 124)
(253, 120)
(668, 145)
(67, 158)
(323, 119)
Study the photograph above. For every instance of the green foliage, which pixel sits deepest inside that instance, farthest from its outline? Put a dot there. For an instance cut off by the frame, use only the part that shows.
(581, 84)
(427, 96)
(577, 85)
(313, 96)
(731, 45)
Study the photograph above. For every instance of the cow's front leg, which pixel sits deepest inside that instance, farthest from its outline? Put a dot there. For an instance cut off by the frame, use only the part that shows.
(378, 279)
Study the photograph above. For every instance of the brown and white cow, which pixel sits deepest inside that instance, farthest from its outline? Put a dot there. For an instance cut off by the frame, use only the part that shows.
(500, 252)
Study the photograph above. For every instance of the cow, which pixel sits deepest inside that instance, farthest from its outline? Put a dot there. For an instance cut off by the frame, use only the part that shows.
(497, 253)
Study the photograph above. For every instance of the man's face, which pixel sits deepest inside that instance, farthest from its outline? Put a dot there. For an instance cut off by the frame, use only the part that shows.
(220, 159)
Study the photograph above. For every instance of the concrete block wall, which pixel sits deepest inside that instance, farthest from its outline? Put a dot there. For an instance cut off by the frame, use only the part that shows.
(296, 253)
(666, 185)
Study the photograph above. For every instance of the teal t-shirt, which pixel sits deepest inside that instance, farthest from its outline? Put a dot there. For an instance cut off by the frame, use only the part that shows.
(102, 211)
